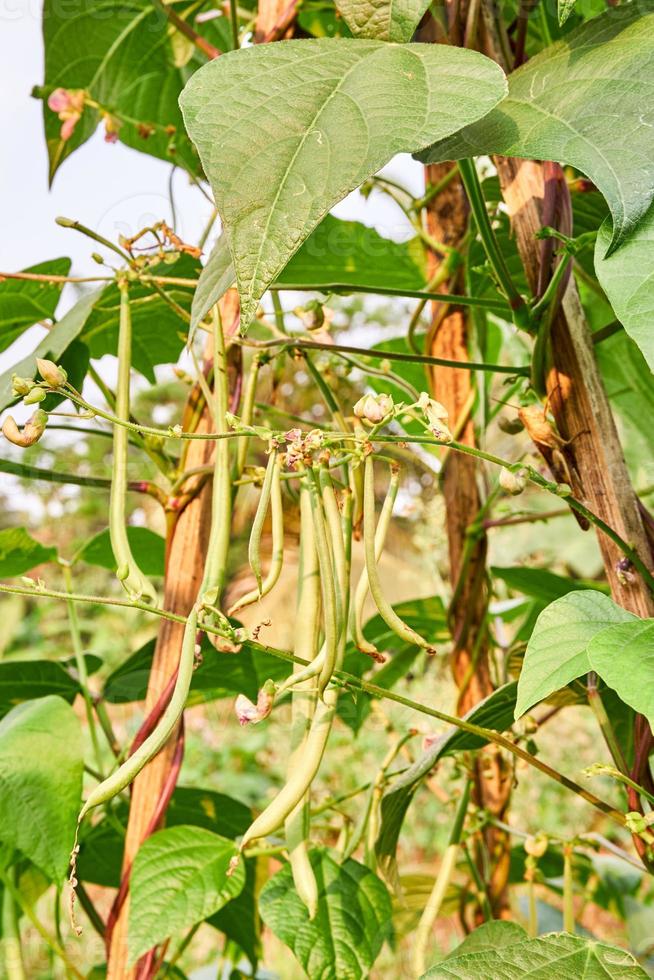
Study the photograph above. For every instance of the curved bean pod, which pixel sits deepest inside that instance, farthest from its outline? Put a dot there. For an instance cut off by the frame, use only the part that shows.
(134, 581)
(132, 766)
(362, 588)
(387, 613)
(277, 555)
(302, 776)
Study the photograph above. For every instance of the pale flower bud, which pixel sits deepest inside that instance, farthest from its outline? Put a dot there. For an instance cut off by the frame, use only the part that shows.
(513, 483)
(536, 845)
(35, 396)
(249, 713)
(21, 386)
(51, 372)
(373, 408)
(32, 430)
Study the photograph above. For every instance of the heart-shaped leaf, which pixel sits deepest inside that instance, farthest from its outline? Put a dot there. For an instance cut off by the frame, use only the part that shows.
(179, 878)
(285, 131)
(383, 20)
(580, 102)
(556, 652)
(41, 769)
(352, 922)
(557, 955)
(623, 656)
(626, 277)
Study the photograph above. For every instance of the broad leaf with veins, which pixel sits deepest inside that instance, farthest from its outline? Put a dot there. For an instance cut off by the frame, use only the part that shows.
(287, 130)
(383, 20)
(583, 101)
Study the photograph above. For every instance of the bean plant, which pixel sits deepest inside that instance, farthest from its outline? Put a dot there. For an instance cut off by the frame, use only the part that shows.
(387, 815)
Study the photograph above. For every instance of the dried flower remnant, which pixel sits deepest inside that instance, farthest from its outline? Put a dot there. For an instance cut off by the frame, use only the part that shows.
(437, 417)
(513, 483)
(248, 712)
(32, 430)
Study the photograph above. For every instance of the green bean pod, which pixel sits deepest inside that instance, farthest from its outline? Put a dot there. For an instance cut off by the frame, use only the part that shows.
(327, 583)
(277, 554)
(335, 528)
(387, 613)
(215, 569)
(303, 706)
(132, 766)
(247, 413)
(303, 774)
(134, 581)
(254, 555)
(362, 588)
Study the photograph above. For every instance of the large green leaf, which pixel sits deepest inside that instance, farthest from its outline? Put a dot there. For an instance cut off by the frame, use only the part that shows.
(122, 52)
(556, 652)
(383, 20)
(41, 768)
(623, 656)
(338, 252)
(557, 955)
(179, 878)
(219, 675)
(19, 552)
(349, 928)
(626, 277)
(147, 548)
(495, 711)
(23, 302)
(580, 102)
(54, 344)
(285, 131)
(25, 680)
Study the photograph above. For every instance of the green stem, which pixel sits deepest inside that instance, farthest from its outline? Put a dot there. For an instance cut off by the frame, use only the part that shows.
(78, 226)
(568, 891)
(445, 872)
(80, 662)
(473, 187)
(493, 305)
(386, 355)
(233, 16)
(133, 580)
(12, 949)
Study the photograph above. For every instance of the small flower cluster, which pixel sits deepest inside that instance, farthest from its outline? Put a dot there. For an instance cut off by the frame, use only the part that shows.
(302, 447)
(33, 393)
(69, 104)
